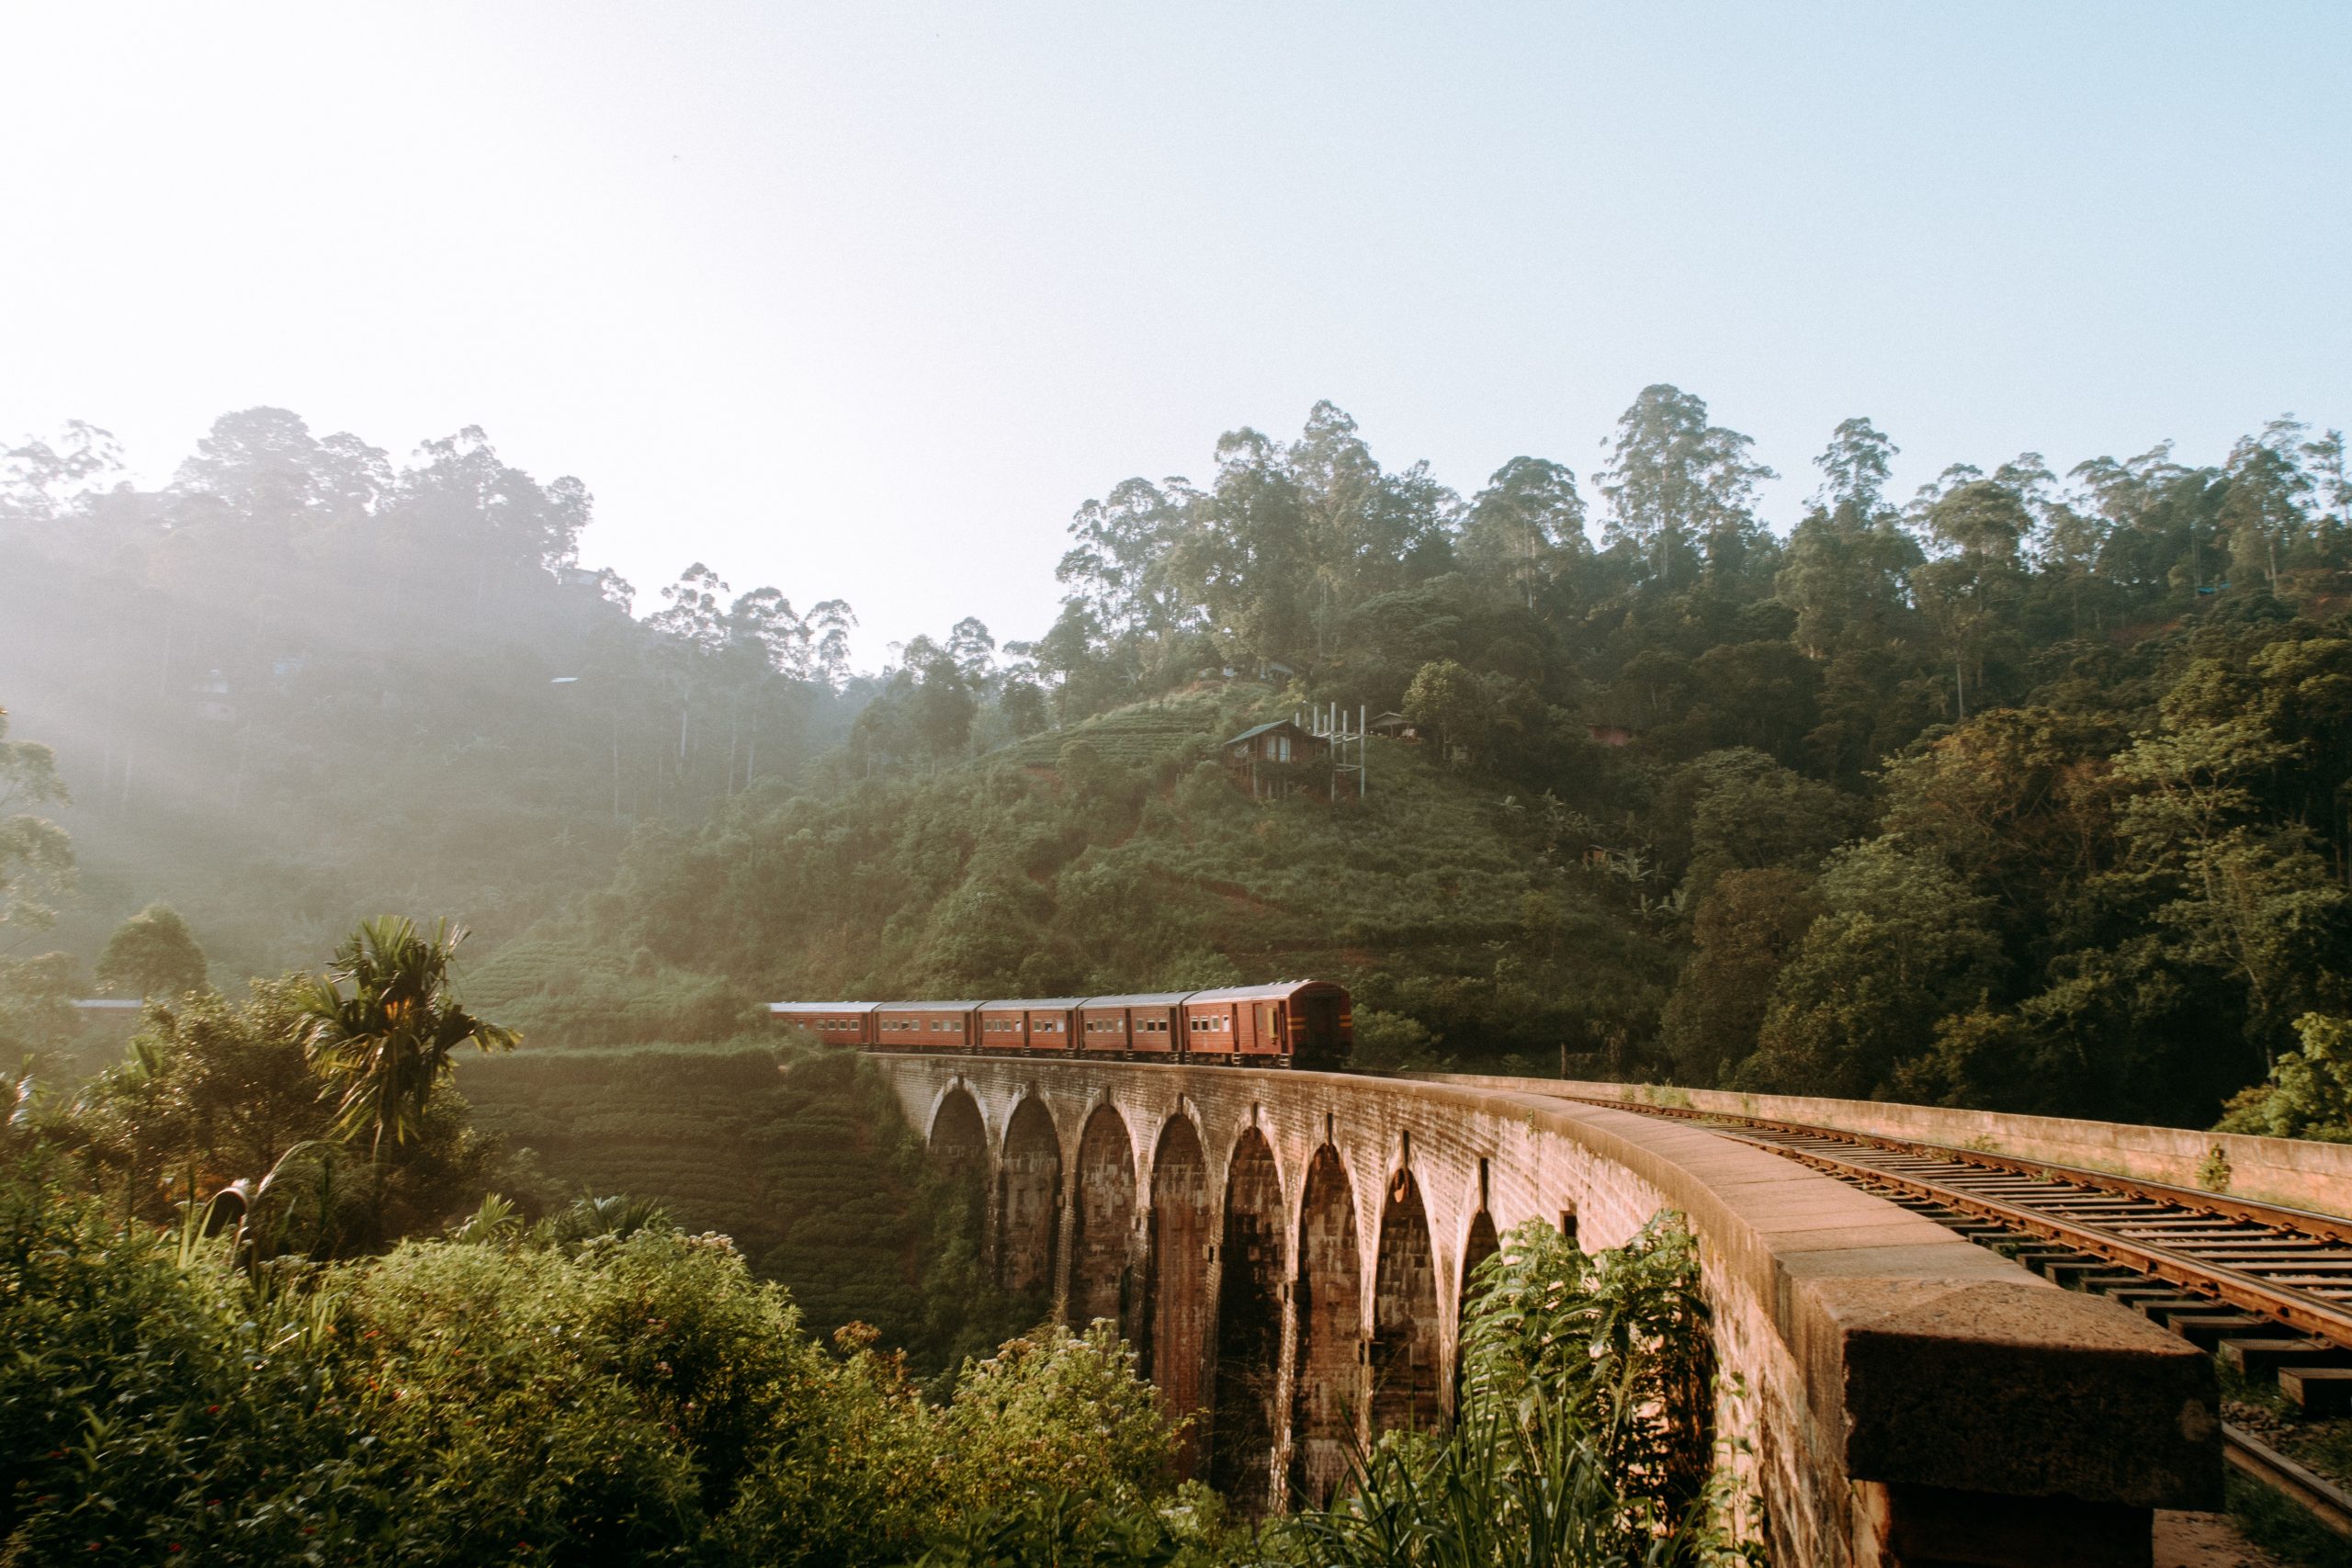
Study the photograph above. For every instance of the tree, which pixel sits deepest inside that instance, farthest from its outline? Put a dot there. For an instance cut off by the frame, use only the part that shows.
(151, 954)
(1973, 587)
(211, 1089)
(1524, 522)
(264, 465)
(2308, 1091)
(1748, 813)
(2235, 891)
(1848, 558)
(388, 1045)
(1680, 491)
(2264, 510)
(1902, 945)
(35, 856)
(38, 480)
(1748, 926)
(1855, 468)
(1448, 698)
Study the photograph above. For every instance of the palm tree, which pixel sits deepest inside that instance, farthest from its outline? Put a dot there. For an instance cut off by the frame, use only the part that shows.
(387, 1045)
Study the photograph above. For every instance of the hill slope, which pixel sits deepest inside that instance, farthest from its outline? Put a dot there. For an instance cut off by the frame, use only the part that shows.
(1122, 853)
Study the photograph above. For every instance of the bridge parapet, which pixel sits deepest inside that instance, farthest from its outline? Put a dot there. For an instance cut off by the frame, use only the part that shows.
(1296, 1244)
(2294, 1172)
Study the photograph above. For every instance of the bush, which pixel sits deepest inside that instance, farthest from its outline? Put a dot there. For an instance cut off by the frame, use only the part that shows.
(1585, 1432)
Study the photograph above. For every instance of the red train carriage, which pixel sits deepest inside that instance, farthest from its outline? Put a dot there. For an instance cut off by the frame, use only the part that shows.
(1042, 1024)
(1304, 1023)
(1148, 1024)
(835, 1023)
(924, 1026)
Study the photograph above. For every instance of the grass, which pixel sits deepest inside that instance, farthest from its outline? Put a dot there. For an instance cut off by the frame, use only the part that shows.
(800, 1156)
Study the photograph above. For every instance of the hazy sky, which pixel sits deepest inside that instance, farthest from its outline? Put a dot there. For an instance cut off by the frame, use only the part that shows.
(865, 299)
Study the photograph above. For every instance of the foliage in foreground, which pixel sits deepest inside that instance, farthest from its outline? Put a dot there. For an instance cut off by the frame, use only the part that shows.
(2309, 1092)
(517, 1397)
(603, 1388)
(1585, 1435)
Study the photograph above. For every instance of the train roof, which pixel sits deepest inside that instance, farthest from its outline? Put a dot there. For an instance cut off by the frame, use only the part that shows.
(1273, 988)
(1261, 993)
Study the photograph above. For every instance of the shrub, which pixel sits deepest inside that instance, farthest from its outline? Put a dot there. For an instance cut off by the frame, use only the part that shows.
(1584, 1437)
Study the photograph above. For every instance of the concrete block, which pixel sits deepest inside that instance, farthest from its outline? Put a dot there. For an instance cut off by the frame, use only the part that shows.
(1931, 1526)
(2009, 1372)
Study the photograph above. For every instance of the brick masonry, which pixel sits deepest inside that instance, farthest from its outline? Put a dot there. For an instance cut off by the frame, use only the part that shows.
(1305, 1240)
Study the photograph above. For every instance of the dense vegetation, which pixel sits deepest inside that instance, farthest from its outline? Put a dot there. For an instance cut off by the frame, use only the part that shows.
(301, 685)
(811, 1171)
(2029, 793)
(609, 1388)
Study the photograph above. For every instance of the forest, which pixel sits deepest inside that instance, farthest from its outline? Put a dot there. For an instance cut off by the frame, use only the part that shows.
(2026, 791)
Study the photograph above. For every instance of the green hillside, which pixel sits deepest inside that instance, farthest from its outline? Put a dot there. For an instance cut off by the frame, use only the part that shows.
(811, 1169)
(1123, 853)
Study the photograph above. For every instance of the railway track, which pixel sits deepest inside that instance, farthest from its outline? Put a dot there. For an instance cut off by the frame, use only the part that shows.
(2267, 1288)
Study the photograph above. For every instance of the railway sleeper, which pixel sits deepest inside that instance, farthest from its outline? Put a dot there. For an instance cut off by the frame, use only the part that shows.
(2090, 1275)
(2206, 1330)
(2262, 1356)
(2317, 1390)
(2048, 1263)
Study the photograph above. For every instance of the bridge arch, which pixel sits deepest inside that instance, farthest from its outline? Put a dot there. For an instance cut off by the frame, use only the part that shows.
(1478, 1243)
(1248, 1380)
(1405, 1326)
(1029, 1190)
(1174, 1343)
(1103, 1222)
(959, 1135)
(1905, 1384)
(1328, 1406)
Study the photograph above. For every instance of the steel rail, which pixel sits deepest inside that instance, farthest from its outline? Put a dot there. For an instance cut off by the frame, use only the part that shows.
(2289, 1306)
(2307, 1222)
(2323, 1499)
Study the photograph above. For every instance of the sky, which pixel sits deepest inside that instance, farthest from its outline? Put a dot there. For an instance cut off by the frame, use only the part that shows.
(863, 301)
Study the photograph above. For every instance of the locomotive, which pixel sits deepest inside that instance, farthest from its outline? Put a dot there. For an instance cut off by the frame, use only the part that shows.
(1289, 1023)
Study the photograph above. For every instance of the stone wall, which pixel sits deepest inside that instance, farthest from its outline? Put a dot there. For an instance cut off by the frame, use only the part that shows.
(1297, 1243)
(2289, 1171)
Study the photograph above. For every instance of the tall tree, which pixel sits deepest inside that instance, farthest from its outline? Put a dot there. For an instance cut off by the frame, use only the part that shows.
(151, 954)
(385, 1046)
(1525, 523)
(1680, 491)
(2264, 510)
(35, 856)
(1972, 588)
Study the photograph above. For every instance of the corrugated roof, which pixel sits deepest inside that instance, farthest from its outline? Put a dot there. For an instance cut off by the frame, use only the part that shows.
(1140, 1000)
(800, 1009)
(1034, 1004)
(1260, 729)
(1255, 993)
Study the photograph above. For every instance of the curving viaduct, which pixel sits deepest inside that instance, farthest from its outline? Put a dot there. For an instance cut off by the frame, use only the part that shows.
(1287, 1251)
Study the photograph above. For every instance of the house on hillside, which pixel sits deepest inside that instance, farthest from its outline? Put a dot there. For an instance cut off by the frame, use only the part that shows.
(1269, 754)
(1395, 726)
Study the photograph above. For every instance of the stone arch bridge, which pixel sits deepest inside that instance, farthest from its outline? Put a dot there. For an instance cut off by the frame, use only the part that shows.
(1287, 1250)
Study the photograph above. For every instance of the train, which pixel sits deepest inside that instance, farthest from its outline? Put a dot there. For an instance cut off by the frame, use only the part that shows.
(1289, 1023)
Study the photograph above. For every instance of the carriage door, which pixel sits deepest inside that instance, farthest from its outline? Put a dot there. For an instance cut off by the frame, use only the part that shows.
(1315, 1027)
